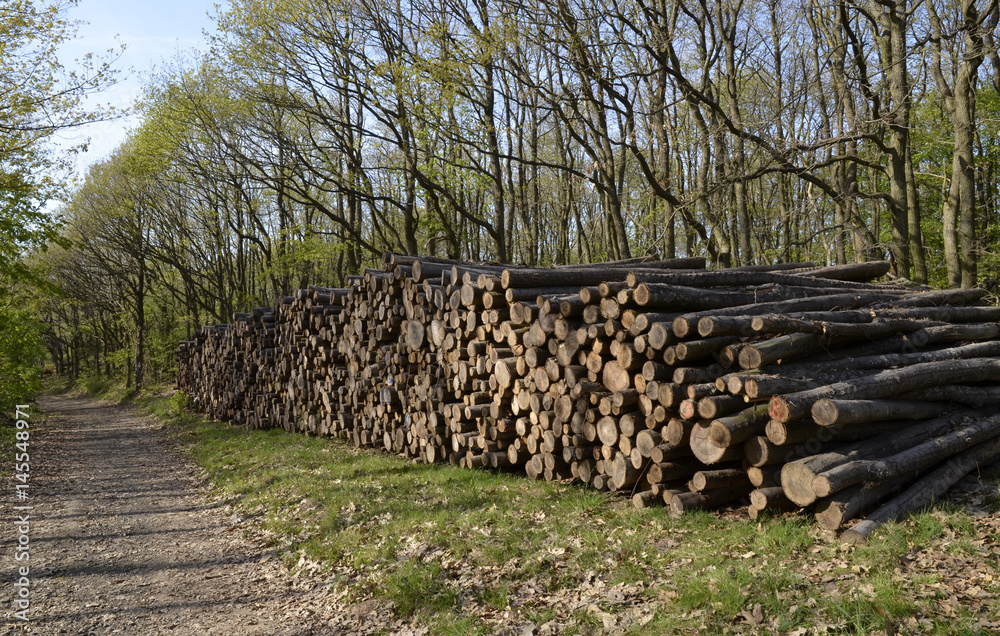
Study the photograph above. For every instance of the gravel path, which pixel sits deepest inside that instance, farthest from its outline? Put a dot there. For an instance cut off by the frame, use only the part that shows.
(124, 540)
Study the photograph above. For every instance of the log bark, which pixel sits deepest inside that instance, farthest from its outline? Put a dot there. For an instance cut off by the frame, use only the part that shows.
(784, 433)
(797, 477)
(718, 406)
(827, 412)
(926, 490)
(735, 429)
(912, 460)
(681, 298)
(687, 324)
(887, 383)
(678, 469)
(720, 478)
(772, 497)
(738, 278)
(833, 511)
(688, 501)
(587, 275)
(647, 499)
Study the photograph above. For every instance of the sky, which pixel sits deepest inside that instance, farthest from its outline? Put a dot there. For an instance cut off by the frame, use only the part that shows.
(153, 32)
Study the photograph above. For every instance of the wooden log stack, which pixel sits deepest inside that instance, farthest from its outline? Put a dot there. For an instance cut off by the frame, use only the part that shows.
(788, 386)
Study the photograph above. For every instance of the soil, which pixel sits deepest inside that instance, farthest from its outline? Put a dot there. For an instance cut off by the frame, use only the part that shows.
(125, 539)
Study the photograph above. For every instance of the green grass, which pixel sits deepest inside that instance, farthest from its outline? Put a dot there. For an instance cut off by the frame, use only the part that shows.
(465, 551)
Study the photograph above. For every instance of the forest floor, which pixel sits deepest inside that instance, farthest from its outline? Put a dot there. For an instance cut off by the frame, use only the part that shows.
(126, 539)
(174, 524)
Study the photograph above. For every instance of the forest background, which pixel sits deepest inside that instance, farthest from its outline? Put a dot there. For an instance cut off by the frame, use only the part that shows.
(314, 135)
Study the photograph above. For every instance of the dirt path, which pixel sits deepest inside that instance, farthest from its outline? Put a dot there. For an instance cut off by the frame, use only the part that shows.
(124, 540)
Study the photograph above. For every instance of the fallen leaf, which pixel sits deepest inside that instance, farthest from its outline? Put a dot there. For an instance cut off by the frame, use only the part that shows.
(756, 617)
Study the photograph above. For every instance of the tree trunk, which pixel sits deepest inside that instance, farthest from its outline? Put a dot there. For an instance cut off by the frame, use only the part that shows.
(893, 45)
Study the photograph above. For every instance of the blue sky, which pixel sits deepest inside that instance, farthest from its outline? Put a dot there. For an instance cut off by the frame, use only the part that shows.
(154, 33)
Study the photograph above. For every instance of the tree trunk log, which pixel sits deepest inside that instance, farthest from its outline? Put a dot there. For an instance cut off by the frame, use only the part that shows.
(926, 490)
(912, 460)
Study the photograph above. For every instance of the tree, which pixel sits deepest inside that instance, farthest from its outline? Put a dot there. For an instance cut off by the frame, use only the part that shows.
(972, 30)
(111, 223)
(38, 98)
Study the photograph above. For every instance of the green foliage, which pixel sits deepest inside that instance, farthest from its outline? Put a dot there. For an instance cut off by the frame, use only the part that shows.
(23, 226)
(21, 354)
(38, 98)
(178, 403)
(94, 383)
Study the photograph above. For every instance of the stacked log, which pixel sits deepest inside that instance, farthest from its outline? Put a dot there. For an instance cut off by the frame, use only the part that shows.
(793, 386)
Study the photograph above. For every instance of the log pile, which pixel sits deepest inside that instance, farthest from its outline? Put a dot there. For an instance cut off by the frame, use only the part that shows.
(788, 386)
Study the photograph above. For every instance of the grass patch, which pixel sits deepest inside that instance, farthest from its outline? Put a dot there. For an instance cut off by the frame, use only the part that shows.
(419, 587)
(496, 596)
(465, 551)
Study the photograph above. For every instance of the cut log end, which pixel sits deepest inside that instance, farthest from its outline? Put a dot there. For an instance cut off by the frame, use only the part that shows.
(615, 378)
(750, 358)
(646, 499)
(719, 434)
(641, 294)
(825, 412)
(414, 334)
(707, 451)
(821, 486)
(683, 326)
(829, 515)
(796, 480)
(779, 409)
(858, 535)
